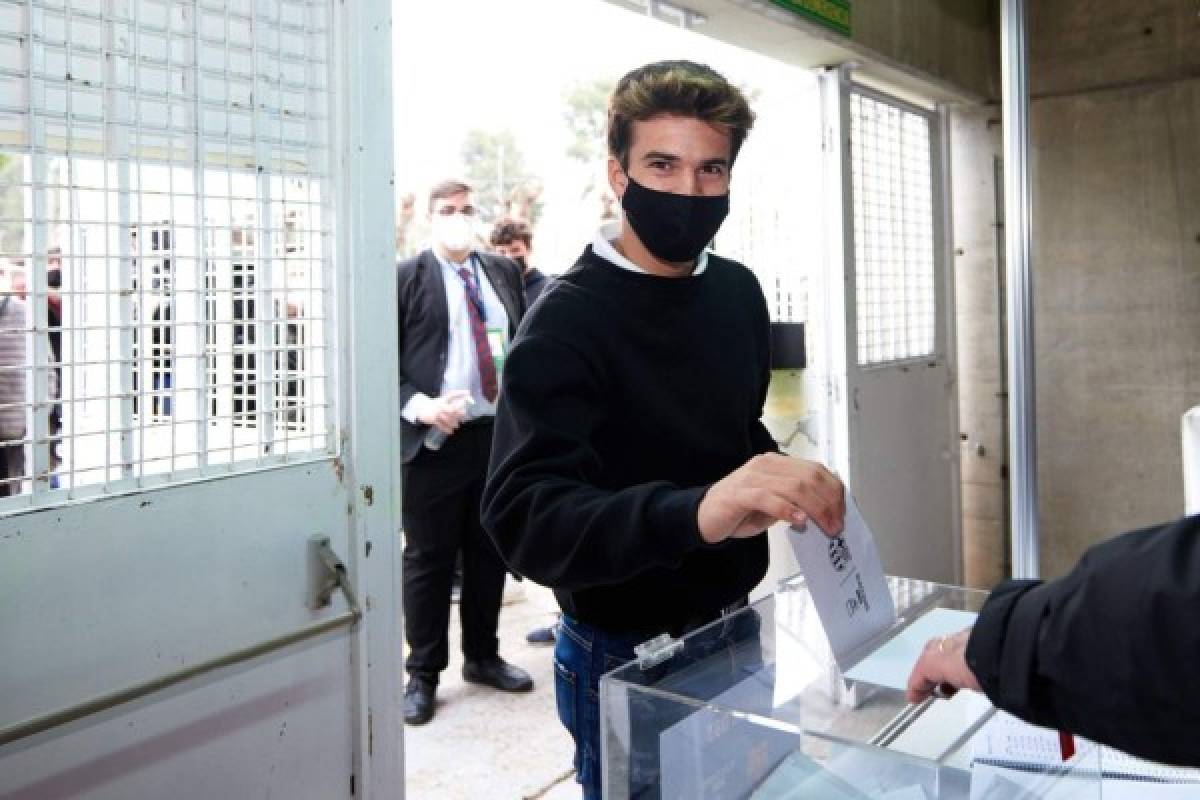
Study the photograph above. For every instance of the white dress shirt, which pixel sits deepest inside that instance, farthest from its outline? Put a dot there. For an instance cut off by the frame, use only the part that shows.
(462, 368)
(602, 246)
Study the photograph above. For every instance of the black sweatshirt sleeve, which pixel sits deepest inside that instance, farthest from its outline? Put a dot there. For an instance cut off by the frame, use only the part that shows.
(404, 279)
(1111, 651)
(542, 506)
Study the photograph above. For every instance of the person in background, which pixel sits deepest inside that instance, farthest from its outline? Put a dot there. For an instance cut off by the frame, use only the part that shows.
(458, 311)
(1111, 651)
(14, 321)
(13, 324)
(513, 238)
(54, 323)
(630, 469)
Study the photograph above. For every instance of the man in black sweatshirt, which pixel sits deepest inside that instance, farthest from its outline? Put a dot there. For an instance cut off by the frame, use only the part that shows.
(630, 470)
(1110, 651)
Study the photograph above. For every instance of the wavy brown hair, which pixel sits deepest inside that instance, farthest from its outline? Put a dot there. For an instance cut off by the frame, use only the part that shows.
(507, 231)
(678, 88)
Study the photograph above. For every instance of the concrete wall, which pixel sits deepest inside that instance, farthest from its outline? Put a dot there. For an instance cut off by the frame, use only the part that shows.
(956, 41)
(1116, 137)
(975, 147)
(939, 49)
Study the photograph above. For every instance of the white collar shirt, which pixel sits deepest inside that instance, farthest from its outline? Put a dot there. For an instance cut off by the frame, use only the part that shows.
(603, 246)
(462, 368)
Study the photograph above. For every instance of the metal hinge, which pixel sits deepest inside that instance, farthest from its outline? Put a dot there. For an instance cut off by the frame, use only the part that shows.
(655, 651)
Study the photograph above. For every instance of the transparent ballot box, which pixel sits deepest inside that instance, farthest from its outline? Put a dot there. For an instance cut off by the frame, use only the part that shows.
(754, 707)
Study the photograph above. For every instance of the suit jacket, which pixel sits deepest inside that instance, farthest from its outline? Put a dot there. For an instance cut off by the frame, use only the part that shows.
(424, 322)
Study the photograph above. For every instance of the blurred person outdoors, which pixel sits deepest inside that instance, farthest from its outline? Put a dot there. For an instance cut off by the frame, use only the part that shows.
(513, 238)
(54, 314)
(13, 365)
(458, 310)
(14, 359)
(406, 212)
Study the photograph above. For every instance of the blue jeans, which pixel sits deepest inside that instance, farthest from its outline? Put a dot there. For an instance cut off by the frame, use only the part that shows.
(582, 654)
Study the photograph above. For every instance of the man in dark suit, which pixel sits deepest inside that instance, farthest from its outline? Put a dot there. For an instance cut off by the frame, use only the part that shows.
(459, 309)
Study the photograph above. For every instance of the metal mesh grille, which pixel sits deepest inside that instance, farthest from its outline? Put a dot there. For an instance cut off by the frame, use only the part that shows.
(165, 214)
(893, 231)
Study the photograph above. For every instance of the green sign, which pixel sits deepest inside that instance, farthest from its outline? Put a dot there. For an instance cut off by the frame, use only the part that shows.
(834, 14)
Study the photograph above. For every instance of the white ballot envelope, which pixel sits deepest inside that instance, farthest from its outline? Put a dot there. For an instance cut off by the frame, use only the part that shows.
(846, 582)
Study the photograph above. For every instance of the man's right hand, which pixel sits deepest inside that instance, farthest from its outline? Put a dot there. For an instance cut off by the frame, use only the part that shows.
(770, 488)
(447, 412)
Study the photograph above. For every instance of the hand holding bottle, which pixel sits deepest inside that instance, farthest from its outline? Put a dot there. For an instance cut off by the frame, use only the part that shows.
(445, 415)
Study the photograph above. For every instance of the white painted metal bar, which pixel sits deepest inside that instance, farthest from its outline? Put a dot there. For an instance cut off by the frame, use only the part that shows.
(1018, 260)
(229, 334)
(36, 458)
(200, 275)
(329, 338)
(365, 250)
(164, 351)
(263, 294)
(139, 262)
(838, 280)
(122, 107)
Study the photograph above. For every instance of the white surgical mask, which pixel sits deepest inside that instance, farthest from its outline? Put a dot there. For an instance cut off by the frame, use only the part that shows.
(453, 231)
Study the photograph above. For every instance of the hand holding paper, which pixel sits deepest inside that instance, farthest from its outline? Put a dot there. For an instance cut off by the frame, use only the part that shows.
(769, 488)
(848, 588)
(847, 584)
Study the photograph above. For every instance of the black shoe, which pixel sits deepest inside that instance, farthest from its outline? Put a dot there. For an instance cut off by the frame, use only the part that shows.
(497, 673)
(419, 700)
(541, 635)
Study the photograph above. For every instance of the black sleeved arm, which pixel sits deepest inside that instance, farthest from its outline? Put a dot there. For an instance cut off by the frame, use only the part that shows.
(544, 505)
(1110, 651)
(405, 277)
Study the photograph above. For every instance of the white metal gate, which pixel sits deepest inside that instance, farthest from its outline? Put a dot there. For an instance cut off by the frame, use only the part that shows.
(892, 415)
(184, 196)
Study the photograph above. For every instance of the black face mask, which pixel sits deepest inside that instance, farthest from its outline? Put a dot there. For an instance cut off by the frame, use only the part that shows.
(521, 263)
(673, 227)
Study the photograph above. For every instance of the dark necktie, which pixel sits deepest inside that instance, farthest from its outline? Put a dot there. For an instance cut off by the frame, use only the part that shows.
(483, 353)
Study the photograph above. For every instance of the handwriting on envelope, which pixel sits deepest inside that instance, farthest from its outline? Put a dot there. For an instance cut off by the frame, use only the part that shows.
(846, 582)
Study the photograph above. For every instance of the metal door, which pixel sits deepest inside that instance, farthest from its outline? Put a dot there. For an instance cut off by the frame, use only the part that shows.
(892, 411)
(197, 198)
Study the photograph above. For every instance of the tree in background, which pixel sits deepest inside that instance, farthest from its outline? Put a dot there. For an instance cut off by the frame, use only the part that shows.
(406, 215)
(12, 204)
(495, 168)
(586, 115)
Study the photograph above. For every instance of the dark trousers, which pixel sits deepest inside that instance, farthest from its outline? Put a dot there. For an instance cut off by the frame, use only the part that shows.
(442, 491)
(12, 468)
